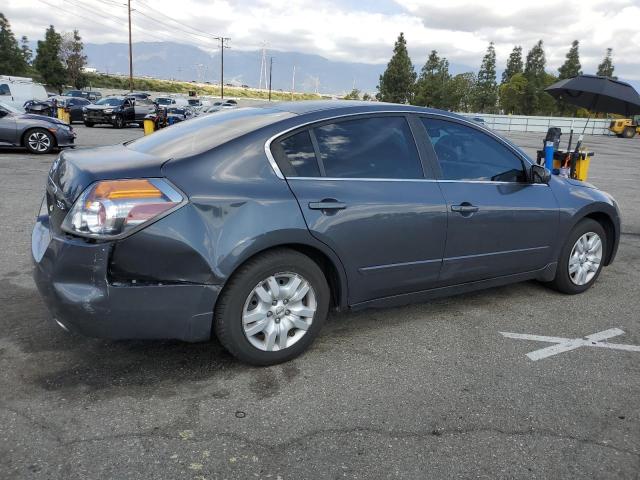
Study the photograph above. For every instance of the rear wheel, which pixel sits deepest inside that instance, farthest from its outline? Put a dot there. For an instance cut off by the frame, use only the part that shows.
(629, 132)
(119, 122)
(88, 124)
(272, 308)
(582, 258)
(39, 141)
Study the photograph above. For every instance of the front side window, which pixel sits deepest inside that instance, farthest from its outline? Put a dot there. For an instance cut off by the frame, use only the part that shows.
(374, 147)
(466, 153)
(4, 89)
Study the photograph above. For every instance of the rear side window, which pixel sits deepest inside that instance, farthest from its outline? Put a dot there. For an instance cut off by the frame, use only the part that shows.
(298, 151)
(466, 153)
(378, 147)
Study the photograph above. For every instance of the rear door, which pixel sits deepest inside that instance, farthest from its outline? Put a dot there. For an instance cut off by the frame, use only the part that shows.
(363, 191)
(499, 223)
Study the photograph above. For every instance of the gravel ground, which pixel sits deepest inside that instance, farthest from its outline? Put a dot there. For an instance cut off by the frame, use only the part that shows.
(424, 391)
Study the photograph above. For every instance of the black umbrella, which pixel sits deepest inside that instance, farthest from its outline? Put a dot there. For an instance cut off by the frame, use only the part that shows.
(597, 94)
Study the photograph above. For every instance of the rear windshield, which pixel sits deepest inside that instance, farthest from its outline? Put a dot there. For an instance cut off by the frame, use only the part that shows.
(204, 133)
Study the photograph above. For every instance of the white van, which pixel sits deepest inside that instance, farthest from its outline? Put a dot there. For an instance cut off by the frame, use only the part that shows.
(16, 91)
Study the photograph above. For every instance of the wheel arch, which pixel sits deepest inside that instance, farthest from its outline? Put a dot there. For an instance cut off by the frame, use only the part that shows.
(327, 261)
(23, 137)
(607, 223)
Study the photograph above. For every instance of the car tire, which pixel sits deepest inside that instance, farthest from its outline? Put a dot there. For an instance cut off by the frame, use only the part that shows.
(251, 312)
(39, 141)
(119, 122)
(629, 132)
(573, 261)
(89, 124)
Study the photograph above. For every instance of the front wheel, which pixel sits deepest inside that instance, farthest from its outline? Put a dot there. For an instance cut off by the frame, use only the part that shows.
(272, 308)
(582, 258)
(629, 132)
(88, 124)
(119, 122)
(39, 140)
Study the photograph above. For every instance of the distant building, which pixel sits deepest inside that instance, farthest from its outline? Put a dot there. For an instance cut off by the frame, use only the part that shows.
(89, 69)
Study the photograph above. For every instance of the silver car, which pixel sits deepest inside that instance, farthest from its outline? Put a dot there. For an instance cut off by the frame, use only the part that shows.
(36, 133)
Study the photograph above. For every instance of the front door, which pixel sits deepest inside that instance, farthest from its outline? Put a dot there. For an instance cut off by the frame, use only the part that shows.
(361, 187)
(8, 133)
(499, 223)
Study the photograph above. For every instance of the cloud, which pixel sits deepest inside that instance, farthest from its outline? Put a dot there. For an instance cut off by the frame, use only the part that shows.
(346, 30)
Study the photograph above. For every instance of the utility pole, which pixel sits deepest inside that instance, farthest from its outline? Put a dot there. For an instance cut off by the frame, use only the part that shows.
(222, 47)
(293, 82)
(130, 49)
(270, 70)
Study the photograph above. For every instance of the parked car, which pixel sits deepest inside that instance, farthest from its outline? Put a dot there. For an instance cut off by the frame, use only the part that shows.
(75, 105)
(142, 107)
(217, 106)
(254, 222)
(47, 107)
(116, 111)
(15, 91)
(91, 95)
(36, 133)
(138, 95)
(172, 101)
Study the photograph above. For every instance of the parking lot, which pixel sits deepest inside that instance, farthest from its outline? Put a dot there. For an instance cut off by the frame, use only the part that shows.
(425, 391)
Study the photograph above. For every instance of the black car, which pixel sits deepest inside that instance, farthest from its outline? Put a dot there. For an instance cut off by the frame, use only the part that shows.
(75, 105)
(252, 223)
(90, 95)
(116, 111)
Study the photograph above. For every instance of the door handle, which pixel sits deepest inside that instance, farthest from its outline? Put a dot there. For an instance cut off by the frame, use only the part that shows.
(464, 208)
(327, 204)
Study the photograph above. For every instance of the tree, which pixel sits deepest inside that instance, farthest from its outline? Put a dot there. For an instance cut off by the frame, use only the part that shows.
(352, 95)
(485, 94)
(514, 64)
(535, 75)
(71, 54)
(460, 92)
(366, 97)
(11, 59)
(605, 69)
(48, 62)
(431, 87)
(512, 94)
(27, 54)
(397, 81)
(571, 66)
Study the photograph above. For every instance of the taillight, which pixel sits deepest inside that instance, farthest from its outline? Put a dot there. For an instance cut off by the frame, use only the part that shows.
(112, 209)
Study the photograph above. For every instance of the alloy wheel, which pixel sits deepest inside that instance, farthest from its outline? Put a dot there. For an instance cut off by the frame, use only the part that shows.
(39, 141)
(279, 311)
(585, 258)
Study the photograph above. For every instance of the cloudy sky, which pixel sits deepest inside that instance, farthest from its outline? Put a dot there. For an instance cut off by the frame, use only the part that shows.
(362, 31)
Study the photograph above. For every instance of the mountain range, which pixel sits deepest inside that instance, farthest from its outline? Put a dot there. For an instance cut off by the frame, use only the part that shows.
(172, 60)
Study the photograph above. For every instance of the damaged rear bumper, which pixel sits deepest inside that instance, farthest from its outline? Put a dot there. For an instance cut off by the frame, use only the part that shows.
(72, 277)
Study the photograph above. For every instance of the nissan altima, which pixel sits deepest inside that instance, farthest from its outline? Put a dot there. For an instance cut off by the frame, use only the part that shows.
(253, 223)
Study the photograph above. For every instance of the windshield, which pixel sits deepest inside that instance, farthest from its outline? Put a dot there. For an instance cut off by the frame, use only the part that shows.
(204, 133)
(10, 108)
(114, 102)
(163, 101)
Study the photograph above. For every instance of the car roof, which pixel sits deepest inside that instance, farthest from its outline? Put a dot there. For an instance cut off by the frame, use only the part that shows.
(310, 106)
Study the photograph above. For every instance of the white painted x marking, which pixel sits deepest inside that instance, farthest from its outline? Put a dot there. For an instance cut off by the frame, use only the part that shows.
(567, 344)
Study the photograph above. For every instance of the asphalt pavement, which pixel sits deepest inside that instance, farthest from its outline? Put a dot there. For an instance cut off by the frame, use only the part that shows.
(432, 390)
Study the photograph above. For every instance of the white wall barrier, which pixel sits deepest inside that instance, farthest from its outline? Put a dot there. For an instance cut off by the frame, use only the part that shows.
(523, 123)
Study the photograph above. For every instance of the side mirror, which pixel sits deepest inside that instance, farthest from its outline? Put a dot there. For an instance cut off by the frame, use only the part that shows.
(539, 174)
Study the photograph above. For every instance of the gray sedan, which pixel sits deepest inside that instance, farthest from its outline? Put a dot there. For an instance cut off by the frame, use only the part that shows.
(36, 133)
(252, 223)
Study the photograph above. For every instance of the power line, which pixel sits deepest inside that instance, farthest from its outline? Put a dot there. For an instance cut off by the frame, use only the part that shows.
(149, 7)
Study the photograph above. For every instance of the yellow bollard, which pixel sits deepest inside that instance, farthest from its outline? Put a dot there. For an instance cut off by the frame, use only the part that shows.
(64, 115)
(61, 113)
(149, 126)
